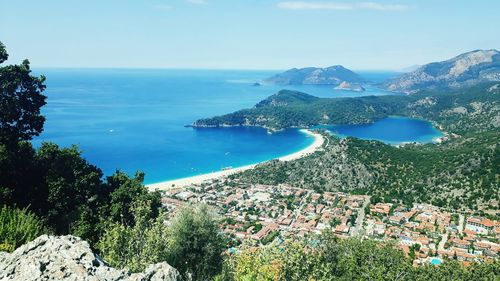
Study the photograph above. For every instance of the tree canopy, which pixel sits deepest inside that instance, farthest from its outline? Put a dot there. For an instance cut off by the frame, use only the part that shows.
(20, 101)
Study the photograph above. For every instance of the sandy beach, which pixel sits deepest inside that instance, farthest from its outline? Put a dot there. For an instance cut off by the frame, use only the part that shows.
(318, 142)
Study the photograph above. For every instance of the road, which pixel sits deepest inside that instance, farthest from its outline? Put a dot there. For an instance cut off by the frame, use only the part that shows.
(444, 238)
(358, 225)
(301, 204)
(460, 223)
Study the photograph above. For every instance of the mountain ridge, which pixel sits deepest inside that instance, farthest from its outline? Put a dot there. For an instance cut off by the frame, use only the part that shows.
(332, 75)
(466, 69)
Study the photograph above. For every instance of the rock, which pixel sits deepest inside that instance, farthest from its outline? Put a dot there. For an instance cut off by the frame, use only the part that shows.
(156, 272)
(346, 86)
(463, 70)
(70, 258)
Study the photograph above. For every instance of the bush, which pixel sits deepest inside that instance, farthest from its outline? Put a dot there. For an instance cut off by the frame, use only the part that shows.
(196, 243)
(17, 227)
(137, 246)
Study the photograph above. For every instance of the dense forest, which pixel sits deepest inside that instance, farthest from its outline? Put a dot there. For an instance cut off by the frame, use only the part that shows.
(54, 190)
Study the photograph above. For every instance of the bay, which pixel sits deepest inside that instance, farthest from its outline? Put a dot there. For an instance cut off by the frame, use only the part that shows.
(134, 119)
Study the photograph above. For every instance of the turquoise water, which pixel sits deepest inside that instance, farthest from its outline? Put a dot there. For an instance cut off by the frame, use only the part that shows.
(392, 130)
(436, 261)
(133, 119)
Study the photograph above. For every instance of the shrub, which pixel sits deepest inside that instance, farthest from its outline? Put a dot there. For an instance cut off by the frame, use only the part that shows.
(17, 227)
(137, 246)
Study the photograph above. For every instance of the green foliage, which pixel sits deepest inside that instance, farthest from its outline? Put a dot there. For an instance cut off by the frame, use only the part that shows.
(270, 237)
(3, 53)
(326, 258)
(137, 246)
(196, 243)
(192, 243)
(20, 102)
(17, 227)
(69, 185)
(125, 191)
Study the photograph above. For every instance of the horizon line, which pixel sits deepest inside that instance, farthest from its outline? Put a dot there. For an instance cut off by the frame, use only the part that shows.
(198, 68)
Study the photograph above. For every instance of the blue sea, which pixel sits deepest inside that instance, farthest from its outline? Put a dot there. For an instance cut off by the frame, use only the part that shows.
(134, 119)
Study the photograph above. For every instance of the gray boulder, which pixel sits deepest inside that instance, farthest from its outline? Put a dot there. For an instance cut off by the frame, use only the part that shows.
(70, 258)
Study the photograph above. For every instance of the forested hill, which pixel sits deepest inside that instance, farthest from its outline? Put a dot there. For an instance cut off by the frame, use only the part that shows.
(462, 173)
(475, 109)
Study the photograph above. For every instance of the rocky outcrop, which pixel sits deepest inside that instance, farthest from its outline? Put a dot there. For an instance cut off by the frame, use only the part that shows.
(332, 75)
(70, 258)
(464, 70)
(346, 86)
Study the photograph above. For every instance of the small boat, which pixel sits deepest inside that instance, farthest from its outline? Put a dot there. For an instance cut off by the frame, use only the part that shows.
(227, 168)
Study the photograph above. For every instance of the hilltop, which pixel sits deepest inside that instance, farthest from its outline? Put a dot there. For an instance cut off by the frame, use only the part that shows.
(467, 69)
(332, 75)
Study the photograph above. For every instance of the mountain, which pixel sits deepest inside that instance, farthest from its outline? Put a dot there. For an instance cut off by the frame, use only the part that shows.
(464, 70)
(332, 75)
(286, 98)
(287, 109)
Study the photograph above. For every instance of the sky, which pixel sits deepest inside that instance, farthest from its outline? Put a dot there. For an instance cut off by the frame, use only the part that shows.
(245, 34)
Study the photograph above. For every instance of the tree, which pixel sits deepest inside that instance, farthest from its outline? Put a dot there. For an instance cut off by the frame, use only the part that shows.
(70, 184)
(3, 53)
(196, 243)
(124, 191)
(137, 246)
(20, 102)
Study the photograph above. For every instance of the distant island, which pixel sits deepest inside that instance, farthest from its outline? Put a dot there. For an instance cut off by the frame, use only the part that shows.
(467, 69)
(346, 86)
(333, 75)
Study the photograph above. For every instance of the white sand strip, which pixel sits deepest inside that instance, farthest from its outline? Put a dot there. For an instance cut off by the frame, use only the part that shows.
(194, 180)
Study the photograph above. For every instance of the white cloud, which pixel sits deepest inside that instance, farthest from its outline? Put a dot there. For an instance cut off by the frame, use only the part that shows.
(197, 2)
(337, 6)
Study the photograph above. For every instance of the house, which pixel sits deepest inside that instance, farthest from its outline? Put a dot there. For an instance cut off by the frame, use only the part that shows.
(461, 243)
(381, 208)
(480, 225)
(342, 229)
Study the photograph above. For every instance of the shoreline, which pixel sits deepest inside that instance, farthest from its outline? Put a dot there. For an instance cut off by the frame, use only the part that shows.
(198, 179)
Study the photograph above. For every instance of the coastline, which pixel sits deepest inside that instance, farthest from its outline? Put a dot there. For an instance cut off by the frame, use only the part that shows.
(198, 179)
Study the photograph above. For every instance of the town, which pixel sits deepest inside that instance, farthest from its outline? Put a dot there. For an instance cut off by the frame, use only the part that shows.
(263, 214)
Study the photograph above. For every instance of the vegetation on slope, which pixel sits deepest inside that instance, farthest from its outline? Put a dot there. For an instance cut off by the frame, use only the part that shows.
(461, 173)
(459, 111)
(327, 258)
